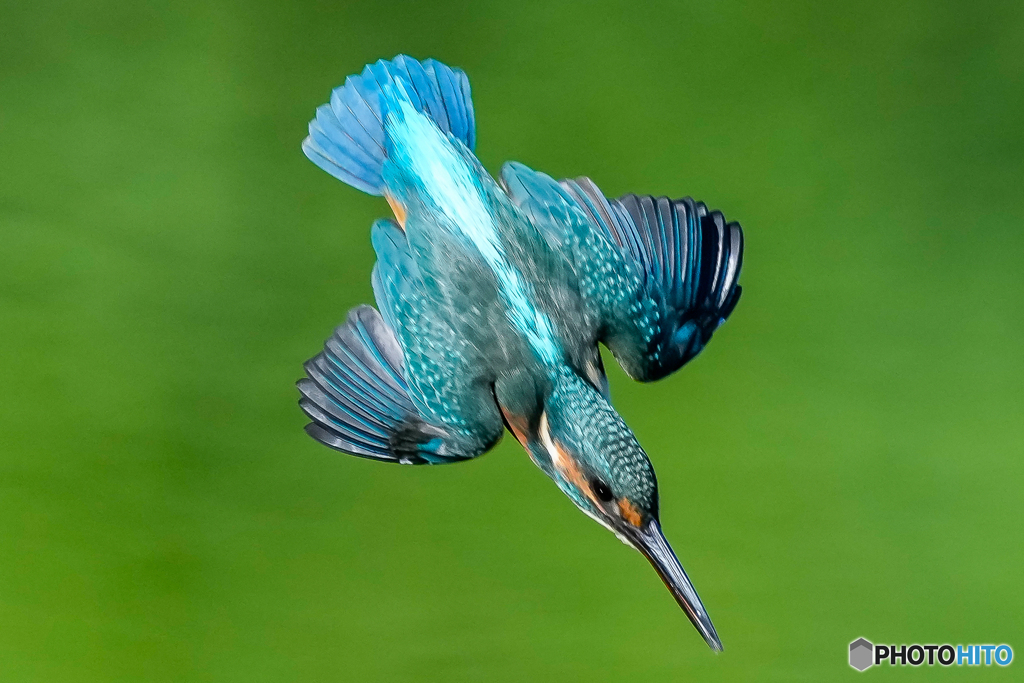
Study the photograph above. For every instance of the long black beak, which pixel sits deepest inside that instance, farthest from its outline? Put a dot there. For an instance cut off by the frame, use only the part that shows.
(652, 543)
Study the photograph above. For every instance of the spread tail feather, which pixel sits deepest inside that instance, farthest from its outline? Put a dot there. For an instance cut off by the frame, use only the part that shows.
(347, 137)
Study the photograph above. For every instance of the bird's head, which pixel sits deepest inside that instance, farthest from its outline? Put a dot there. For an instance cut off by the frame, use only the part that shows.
(581, 442)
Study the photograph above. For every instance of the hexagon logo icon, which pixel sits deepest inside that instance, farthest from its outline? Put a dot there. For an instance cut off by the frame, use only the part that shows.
(861, 652)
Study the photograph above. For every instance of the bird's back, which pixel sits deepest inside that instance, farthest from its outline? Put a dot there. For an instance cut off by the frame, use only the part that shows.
(482, 262)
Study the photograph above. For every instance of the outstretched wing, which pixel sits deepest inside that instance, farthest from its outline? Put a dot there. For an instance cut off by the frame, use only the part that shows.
(689, 260)
(359, 402)
(657, 276)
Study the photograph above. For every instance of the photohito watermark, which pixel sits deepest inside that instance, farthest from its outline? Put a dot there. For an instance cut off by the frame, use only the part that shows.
(864, 654)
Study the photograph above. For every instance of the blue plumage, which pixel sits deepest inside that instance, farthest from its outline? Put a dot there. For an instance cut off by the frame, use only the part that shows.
(690, 261)
(494, 297)
(360, 403)
(347, 137)
(395, 276)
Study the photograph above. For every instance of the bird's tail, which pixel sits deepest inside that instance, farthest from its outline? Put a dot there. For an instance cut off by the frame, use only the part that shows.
(348, 136)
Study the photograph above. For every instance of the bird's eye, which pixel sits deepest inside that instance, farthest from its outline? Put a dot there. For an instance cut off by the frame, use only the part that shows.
(601, 490)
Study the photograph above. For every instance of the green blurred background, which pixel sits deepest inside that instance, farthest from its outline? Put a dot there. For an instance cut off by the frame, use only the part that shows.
(844, 460)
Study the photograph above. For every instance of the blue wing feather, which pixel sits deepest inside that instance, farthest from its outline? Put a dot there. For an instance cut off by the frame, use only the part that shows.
(689, 259)
(337, 400)
(357, 381)
(357, 397)
(395, 272)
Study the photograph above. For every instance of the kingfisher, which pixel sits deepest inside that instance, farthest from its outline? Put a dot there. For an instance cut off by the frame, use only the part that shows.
(493, 297)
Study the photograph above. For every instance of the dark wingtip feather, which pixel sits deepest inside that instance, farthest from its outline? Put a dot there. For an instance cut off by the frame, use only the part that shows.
(335, 440)
(689, 260)
(353, 393)
(721, 262)
(356, 395)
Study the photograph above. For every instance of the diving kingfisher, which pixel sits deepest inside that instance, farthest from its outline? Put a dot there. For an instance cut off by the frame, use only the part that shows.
(492, 298)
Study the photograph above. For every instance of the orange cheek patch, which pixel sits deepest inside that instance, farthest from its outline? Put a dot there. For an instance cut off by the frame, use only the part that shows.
(629, 512)
(398, 209)
(569, 467)
(571, 471)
